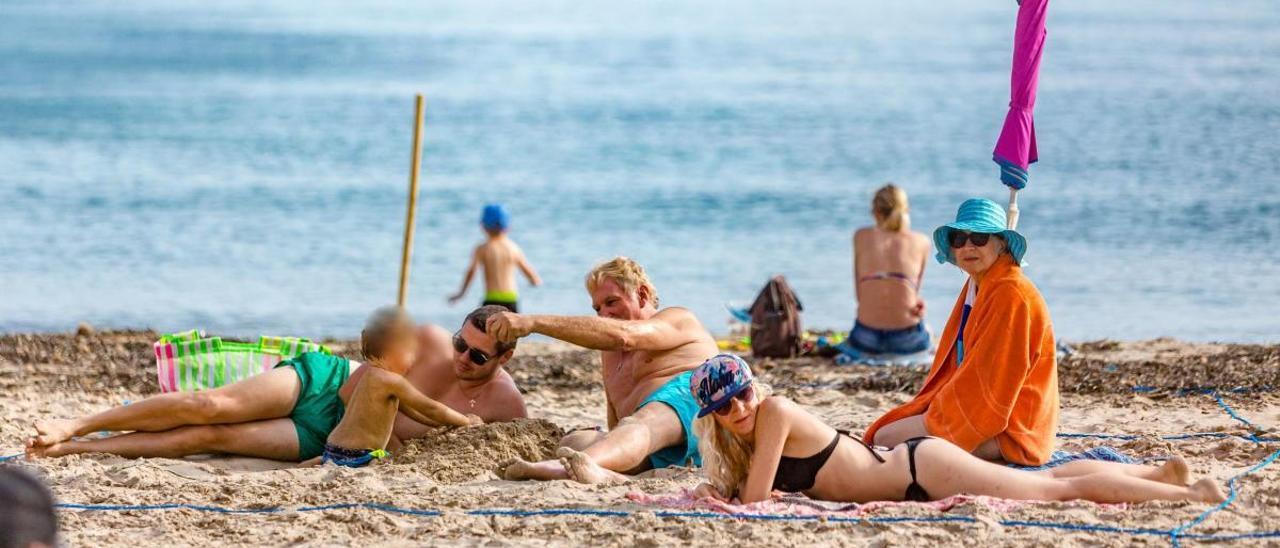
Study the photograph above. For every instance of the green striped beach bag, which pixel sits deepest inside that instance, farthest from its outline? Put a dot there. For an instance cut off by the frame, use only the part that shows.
(190, 361)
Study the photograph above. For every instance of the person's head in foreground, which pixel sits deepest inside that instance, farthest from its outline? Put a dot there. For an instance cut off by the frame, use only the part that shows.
(477, 356)
(978, 238)
(890, 209)
(494, 219)
(728, 398)
(389, 339)
(27, 516)
(621, 290)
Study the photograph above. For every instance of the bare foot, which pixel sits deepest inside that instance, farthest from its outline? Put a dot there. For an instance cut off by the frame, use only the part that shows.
(1175, 471)
(1207, 490)
(520, 469)
(35, 451)
(53, 431)
(584, 470)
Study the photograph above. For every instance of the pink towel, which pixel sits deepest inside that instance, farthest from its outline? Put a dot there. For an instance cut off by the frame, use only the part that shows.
(800, 505)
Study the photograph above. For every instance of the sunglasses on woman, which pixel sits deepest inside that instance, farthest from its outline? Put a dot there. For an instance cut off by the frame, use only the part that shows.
(746, 395)
(476, 356)
(959, 237)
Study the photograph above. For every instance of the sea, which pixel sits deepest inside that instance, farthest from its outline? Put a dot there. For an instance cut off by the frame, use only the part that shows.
(242, 167)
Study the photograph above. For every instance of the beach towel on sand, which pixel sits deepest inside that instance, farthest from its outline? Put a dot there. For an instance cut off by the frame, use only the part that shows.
(1060, 458)
(1007, 386)
(800, 505)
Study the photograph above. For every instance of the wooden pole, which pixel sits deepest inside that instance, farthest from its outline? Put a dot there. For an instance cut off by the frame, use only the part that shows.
(415, 166)
(1013, 209)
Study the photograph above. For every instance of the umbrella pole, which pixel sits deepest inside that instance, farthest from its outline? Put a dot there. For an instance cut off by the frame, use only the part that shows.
(1013, 209)
(415, 167)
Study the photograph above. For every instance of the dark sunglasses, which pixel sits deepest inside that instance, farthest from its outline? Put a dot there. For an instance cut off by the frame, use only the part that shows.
(957, 238)
(744, 396)
(476, 356)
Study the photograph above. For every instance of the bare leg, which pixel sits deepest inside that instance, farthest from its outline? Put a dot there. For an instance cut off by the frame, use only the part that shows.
(273, 439)
(581, 439)
(1174, 471)
(945, 470)
(625, 448)
(266, 396)
(902, 430)
(628, 446)
(583, 470)
(989, 450)
(546, 470)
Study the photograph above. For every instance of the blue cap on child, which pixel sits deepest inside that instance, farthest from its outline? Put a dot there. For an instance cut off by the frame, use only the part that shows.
(495, 217)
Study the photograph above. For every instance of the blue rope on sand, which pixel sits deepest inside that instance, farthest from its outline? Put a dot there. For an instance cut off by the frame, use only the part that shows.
(225, 510)
(1177, 533)
(1234, 493)
(1232, 413)
(592, 512)
(10, 457)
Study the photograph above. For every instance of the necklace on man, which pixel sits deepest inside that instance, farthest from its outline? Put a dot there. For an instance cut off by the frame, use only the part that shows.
(470, 399)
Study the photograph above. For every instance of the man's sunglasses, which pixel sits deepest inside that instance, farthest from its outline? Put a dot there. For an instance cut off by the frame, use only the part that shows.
(476, 356)
(957, 238)
(746, 395)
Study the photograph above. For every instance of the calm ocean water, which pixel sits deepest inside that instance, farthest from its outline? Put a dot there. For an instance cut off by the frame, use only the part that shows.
(242, 167)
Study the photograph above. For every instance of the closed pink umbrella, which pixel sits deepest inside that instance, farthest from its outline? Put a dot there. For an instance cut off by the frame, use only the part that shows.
(1016, 148)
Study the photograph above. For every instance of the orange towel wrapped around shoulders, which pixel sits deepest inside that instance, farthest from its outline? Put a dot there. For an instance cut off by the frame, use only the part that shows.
(1007, 386)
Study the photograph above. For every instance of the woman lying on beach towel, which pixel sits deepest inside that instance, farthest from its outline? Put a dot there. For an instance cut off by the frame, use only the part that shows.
(888, 266)
(753, 444)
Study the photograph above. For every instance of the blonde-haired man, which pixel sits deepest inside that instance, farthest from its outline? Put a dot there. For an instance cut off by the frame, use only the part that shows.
(647, 357)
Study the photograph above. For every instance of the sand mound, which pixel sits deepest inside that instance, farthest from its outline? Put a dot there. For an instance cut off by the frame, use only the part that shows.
(470, 454)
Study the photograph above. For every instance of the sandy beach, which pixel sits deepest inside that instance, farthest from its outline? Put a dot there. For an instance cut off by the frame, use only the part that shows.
(452, 474)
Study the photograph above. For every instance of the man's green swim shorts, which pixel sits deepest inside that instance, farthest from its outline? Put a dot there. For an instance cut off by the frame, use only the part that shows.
(319, 409)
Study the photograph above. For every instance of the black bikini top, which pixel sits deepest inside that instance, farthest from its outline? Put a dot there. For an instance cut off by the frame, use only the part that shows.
(796, 475)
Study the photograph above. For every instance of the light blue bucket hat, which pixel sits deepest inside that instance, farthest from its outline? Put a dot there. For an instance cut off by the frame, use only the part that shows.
(984, 217)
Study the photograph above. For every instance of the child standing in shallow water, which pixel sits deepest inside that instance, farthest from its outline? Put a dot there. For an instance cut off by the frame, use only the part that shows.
(500, 257)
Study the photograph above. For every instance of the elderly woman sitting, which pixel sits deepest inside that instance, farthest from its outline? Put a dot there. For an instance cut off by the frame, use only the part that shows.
(993, 387)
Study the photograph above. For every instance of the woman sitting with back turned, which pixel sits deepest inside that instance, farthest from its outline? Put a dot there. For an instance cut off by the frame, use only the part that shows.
(888, 266)
(753, 444)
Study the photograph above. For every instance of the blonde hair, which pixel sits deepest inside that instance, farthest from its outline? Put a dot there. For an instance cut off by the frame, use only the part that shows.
(625, 272)
(890, 208)
(726, 458)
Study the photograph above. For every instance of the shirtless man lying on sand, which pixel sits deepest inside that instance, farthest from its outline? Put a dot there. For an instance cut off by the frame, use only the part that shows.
(647, 357)
(289, 412)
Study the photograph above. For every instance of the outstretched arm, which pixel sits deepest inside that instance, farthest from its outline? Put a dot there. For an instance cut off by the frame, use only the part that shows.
(528, 270)
(425, 410)
(667, 329)
(466, 279)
